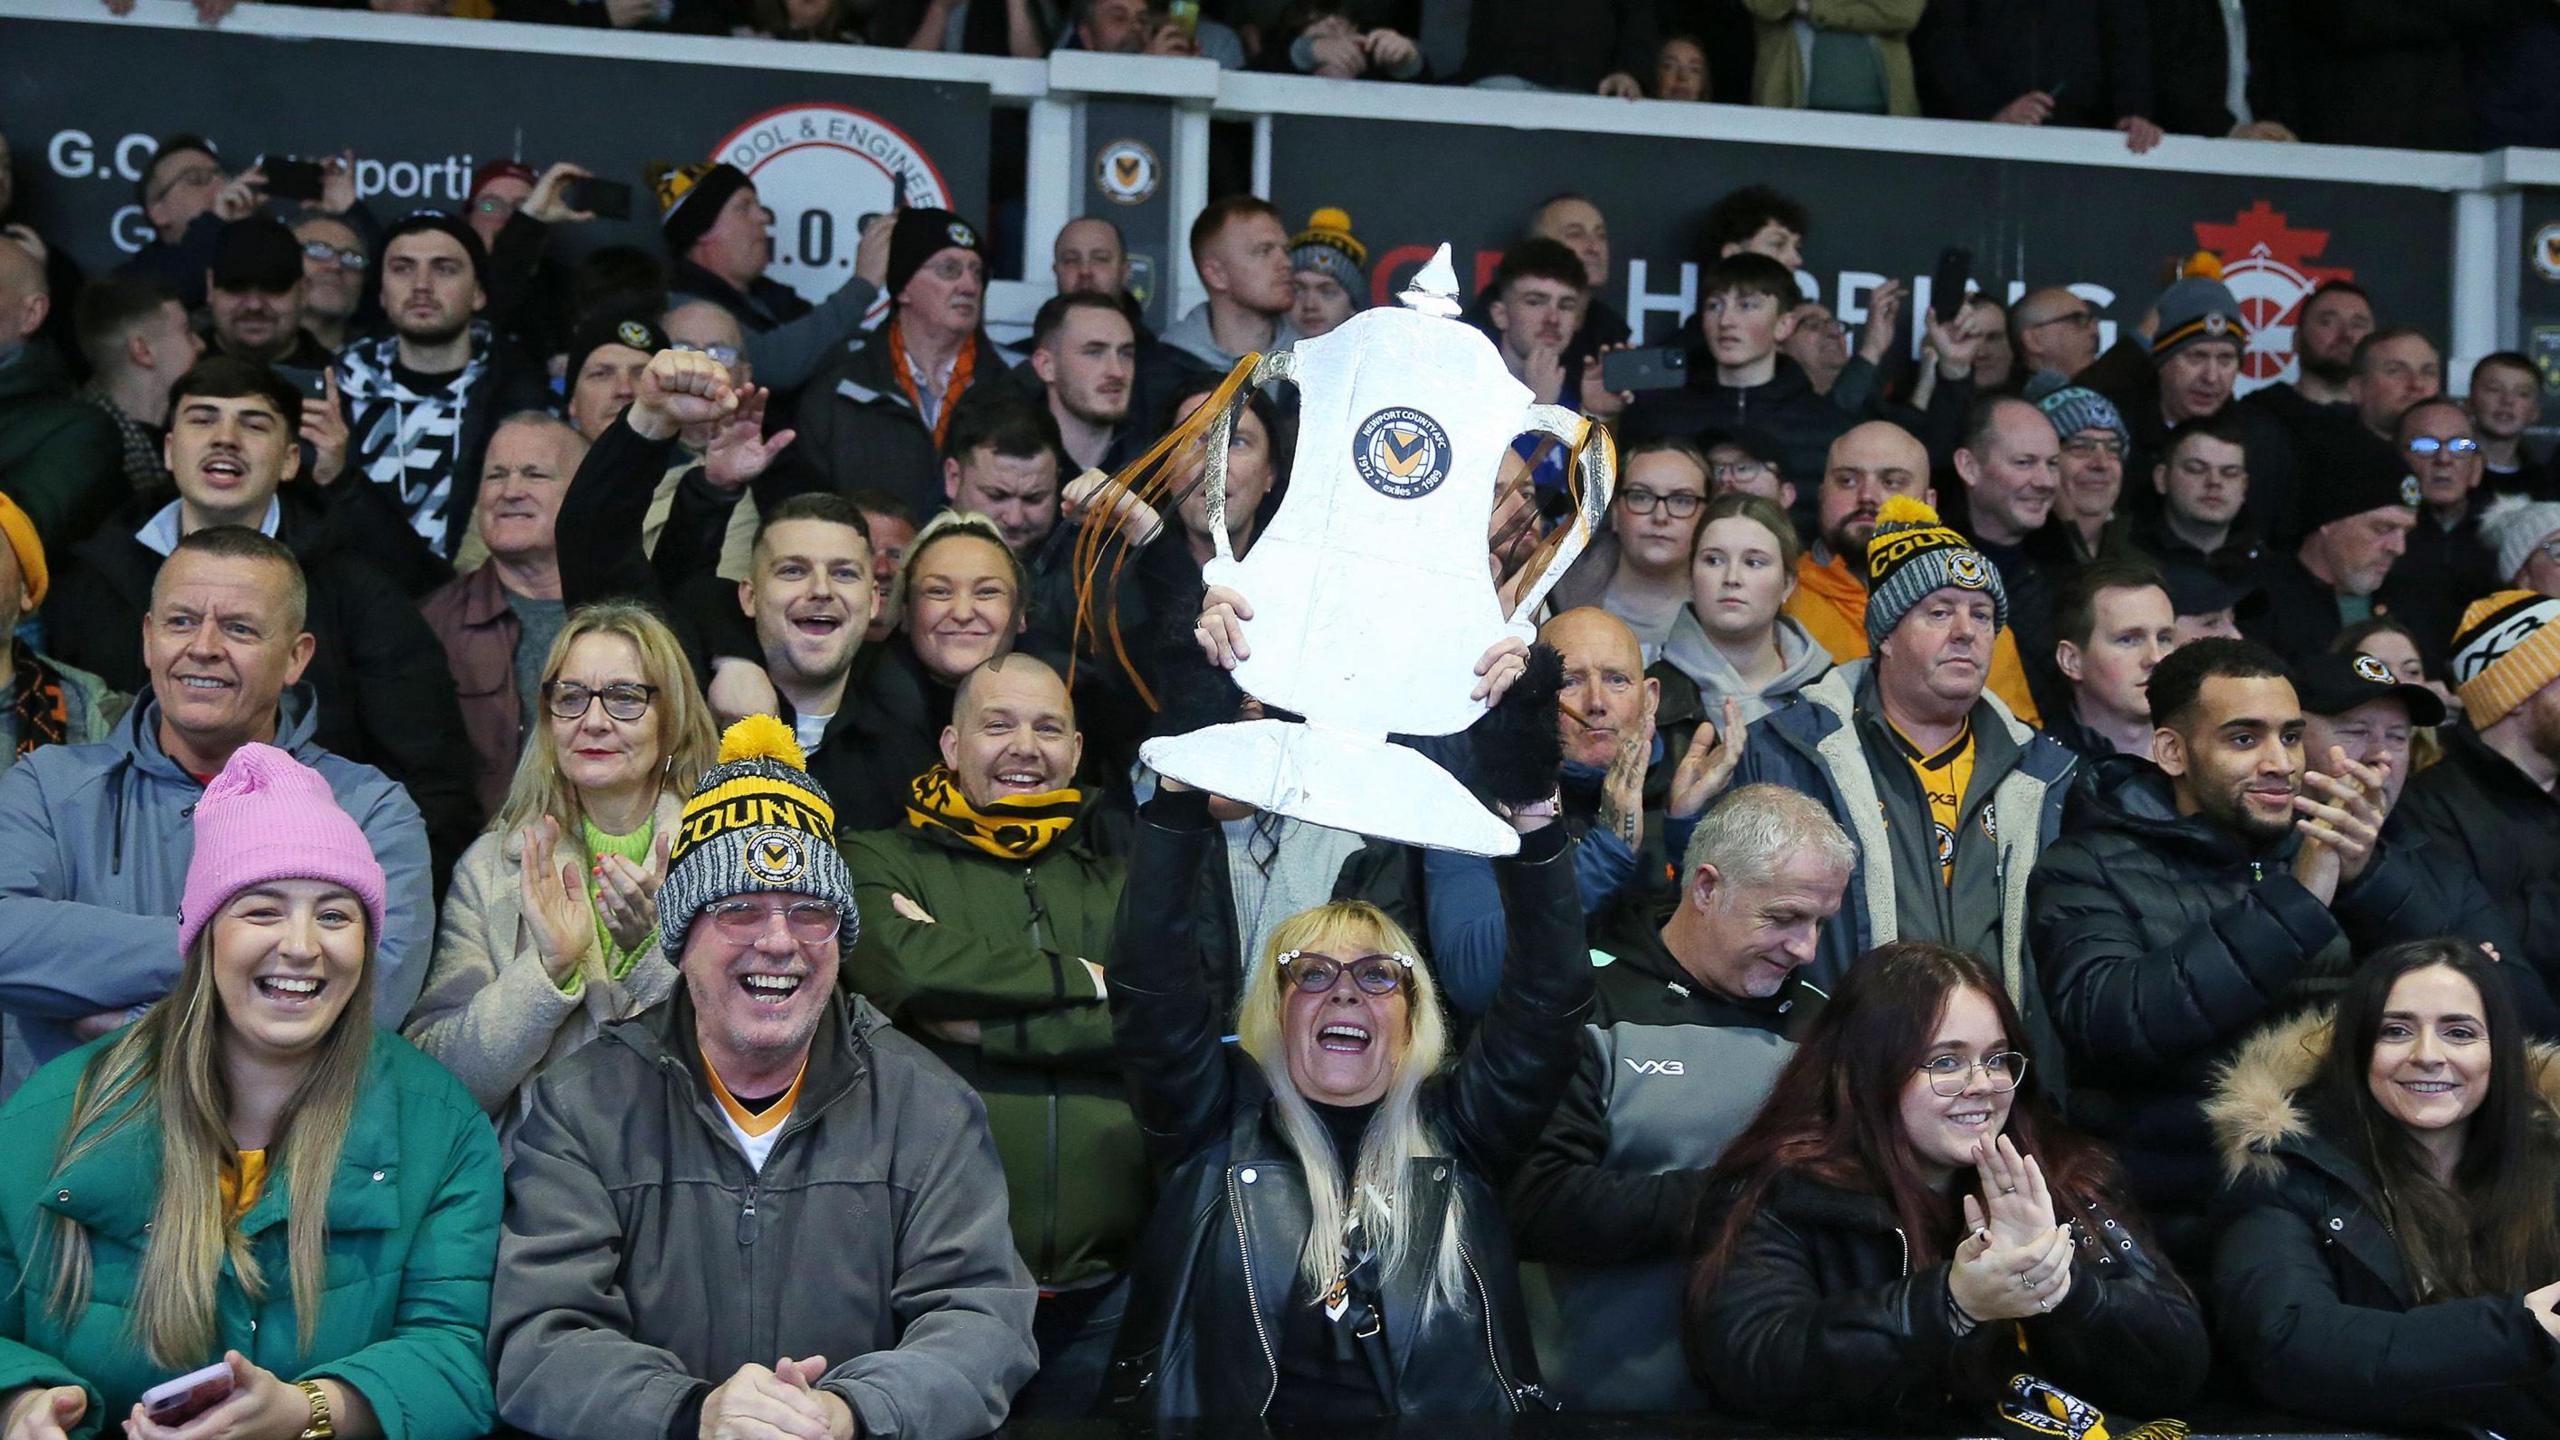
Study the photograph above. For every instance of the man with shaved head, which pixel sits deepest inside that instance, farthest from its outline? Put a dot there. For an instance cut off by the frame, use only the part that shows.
(1626, 735)
(1867, 465)
(2053, 329)
(62, 461)
(986, 919)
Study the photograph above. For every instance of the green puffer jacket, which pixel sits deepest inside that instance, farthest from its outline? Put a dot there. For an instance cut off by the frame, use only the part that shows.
(1004, 950)
(413, 1236)
(60, 459)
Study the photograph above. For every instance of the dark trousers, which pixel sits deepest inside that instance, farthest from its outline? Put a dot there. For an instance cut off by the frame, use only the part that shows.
(1074, 1330)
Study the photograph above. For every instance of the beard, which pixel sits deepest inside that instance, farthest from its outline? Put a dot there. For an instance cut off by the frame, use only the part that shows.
(2333, 372)
(433, 333)
(2226, 808)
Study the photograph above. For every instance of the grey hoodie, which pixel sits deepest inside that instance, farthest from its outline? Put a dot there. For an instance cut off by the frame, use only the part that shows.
(1688, 652)
(94, 845)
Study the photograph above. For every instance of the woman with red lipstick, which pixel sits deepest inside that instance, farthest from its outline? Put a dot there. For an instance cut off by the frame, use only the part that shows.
(2393, 1256)
(549, 929)
(1905, 1233)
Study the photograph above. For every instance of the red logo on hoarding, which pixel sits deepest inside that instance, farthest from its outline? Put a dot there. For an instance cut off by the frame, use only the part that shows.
(2267, 264)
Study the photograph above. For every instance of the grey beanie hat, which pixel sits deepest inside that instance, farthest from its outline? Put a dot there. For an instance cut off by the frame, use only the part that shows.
(757, 824)
(2512, 526)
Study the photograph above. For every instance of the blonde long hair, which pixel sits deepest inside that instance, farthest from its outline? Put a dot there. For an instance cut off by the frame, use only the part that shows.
(1397, 1134)
(171, 1062)
(687, 741)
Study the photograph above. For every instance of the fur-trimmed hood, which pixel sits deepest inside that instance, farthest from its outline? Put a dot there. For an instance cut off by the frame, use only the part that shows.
(2256, 1109)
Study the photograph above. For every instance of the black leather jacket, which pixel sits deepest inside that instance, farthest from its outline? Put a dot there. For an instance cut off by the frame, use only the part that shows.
(1820, 1318)
(1218, 1262)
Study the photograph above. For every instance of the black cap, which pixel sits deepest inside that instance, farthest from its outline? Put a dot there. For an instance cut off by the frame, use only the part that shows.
(258, 253)
(920, 235)
(636, 332)
(417, 221)
(2336, 684)
(2196, 590)
(2346, 470)
(1751, 440)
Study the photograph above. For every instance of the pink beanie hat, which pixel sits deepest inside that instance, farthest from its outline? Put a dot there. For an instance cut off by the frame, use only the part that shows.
(268, 816)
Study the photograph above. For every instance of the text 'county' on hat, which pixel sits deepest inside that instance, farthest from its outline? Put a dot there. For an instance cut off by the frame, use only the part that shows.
(758, 824)
(1914, 555)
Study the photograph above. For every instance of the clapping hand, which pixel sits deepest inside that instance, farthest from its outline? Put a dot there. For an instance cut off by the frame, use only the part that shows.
(1708, 767)
(2016, 1204)
(627, 895)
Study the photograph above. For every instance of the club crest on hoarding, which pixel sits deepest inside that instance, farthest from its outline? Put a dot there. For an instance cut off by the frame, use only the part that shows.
(2267, 264)
(1401, 452)
(1126, 172)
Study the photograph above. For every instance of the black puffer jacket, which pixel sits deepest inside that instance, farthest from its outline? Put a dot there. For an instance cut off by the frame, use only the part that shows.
(2486, 816)
(1819, 1318)
(2165, 939)
(2312, 1300)
(1217, 1268)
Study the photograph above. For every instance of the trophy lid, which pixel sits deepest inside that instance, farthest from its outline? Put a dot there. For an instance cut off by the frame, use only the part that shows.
(1434, 288)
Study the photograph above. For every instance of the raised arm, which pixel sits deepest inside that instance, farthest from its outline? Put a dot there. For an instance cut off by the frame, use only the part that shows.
(1164, 1020)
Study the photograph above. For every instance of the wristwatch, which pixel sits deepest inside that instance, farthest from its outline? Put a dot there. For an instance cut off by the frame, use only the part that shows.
(320, 1427)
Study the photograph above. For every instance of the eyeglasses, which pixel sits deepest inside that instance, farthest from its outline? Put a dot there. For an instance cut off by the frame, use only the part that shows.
(1950, 1074)
(2430, 445)
(2549, 550)
(1374, 974)
(1731, 470)
(324, 252)
(569, 700)
(725, 356)
(2077, 319)
(1681, 504)
(494, 205)
(2084, 446)
(745, 921)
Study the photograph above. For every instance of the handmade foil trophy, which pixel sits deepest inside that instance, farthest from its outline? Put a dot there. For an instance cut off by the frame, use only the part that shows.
(1371, 593)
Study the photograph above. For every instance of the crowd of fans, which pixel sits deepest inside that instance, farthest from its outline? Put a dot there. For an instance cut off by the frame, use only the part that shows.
(573, 850)
(2449, 75)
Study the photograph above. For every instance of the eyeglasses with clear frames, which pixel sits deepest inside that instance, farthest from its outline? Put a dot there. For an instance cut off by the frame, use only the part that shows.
(1374, 974)
(569, 700)
(324, 252)
(745, 921)
(725, 356)
(1680, 504)
(1950, 1074)
(2084, 446)
(1732, 470)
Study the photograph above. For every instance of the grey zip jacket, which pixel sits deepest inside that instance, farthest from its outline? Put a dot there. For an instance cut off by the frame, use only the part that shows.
(644, 1260)
(94, 846)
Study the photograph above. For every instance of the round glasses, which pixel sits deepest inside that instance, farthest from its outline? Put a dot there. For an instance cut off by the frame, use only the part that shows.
(569, 700)
(1374, 974)
(2430, 445)
(1681, 504)
(1950, 1074)
(745, 921)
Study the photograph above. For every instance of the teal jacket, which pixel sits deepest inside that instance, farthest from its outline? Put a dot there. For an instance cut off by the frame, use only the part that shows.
(413, 1221)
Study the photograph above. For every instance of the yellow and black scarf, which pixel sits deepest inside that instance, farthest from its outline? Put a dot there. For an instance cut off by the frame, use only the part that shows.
(43, 717)
(1016, 828)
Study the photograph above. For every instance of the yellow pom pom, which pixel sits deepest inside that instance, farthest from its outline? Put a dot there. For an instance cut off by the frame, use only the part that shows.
(1904, 510)
(762, 737)
(2203, 265)
(1330, 218)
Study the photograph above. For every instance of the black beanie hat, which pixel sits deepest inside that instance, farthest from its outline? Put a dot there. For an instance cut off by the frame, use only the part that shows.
(2346, 470)
(417, 221)
(690, 197)
(635, 331)
(922, 234)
